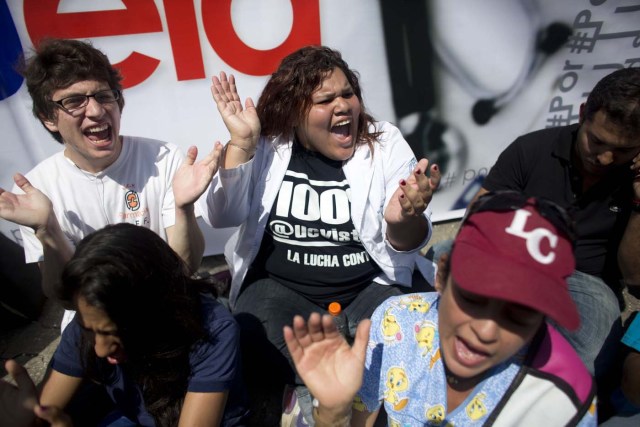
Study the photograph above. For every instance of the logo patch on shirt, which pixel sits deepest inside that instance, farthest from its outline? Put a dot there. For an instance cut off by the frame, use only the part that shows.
(132, 200)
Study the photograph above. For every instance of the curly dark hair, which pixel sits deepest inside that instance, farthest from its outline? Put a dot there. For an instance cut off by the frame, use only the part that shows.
(617, 95)
(145, 288)
(59, 63)
(286, 98)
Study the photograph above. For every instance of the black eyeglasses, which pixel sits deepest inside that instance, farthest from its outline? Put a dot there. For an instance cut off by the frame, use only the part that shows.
(502, 201)
(75, 103)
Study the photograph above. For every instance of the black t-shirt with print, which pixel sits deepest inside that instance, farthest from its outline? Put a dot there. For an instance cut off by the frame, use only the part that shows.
(310, 244)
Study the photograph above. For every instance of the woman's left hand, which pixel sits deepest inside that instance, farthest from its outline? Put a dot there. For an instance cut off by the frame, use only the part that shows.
(407, 226)
(414, 194)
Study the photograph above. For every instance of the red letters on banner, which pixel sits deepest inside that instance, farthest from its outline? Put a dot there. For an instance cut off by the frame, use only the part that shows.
(218, 27)
(141, 16)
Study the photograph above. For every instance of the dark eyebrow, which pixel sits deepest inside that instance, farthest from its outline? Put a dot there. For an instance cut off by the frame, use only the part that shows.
(99, 331)
(84, 94)
(346, 88)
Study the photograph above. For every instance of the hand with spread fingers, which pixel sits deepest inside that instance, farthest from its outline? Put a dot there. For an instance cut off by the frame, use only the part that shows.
(32, 209)
(193, 177)
(404, 213)
(413, 194)
(329, 367)
(243, 123)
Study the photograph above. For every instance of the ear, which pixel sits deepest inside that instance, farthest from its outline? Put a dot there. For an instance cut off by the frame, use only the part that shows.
(443, 273)
(49, 124)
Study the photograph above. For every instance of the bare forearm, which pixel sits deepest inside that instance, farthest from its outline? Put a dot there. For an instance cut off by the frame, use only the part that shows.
(409, 234)
(203, 409)
(57, 251)
(185, 237)
(325, 417)
(237, 153)
(629, 251)
(58, 389)
(343, 417)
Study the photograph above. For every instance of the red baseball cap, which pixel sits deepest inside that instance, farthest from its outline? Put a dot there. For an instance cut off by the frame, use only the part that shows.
(517, 256)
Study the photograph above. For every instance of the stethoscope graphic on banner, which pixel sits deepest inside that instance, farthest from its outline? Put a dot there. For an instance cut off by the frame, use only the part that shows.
(548, 40)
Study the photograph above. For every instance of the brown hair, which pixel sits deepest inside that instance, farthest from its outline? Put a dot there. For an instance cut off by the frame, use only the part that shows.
(286, 98)
(59, 63)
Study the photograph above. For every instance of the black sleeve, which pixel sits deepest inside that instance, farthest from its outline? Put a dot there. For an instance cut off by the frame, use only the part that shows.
(509, 171)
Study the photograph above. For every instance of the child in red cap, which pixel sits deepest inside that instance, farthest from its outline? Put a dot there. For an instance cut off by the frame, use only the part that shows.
(477, 352)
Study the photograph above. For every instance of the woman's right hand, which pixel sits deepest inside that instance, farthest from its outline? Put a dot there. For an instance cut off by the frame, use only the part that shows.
(243, 123)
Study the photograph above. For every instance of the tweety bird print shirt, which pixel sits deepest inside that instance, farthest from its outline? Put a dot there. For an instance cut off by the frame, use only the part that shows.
(404, 371)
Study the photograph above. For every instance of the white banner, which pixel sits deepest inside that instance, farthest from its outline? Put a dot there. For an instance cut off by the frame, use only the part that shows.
(461, 78)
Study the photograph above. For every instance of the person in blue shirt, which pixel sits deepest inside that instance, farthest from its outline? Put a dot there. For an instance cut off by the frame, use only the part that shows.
(477, 352)
(625, 398)
(156, 339)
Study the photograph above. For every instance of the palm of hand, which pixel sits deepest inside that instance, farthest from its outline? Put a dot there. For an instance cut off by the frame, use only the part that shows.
(331, 365)
(241, 123)
(31, 209)
(190, 181)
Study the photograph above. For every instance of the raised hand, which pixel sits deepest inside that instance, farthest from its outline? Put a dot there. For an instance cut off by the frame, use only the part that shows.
(192, 178)
(329, 367)
(17, 402)
(243, 123)
(413, 194)
(32, 209)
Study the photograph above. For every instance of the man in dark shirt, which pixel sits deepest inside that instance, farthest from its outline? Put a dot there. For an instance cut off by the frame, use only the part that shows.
(593, 169)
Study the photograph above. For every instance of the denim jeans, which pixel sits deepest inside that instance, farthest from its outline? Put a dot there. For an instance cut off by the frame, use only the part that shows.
(597, 339)
(600, 330)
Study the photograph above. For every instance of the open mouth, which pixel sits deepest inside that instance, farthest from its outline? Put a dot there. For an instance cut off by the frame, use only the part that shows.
(342, 129)
(467, 355)
(117, 358)
(99, 134)
(113, 360)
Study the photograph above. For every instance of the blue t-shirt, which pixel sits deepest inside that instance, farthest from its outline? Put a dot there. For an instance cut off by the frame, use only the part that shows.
(632, 336)
(404, 369)
(215, 366)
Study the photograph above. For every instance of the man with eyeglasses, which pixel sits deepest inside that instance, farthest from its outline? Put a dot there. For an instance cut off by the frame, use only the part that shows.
(100, 177)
